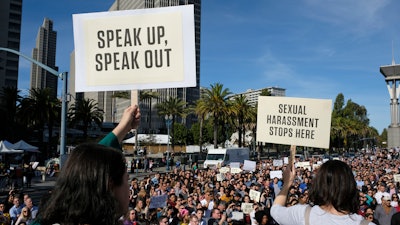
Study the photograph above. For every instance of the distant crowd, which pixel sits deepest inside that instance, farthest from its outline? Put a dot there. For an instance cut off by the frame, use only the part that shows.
(205, 197)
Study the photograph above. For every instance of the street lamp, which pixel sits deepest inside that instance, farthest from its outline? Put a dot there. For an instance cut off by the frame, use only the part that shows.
(168, 122)
(63, 76)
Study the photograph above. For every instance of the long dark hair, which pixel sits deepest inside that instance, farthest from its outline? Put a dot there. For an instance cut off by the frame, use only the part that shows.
(82, 194)
(335, 185)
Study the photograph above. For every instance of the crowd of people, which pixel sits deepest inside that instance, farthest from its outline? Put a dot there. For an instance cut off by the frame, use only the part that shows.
(93, 188)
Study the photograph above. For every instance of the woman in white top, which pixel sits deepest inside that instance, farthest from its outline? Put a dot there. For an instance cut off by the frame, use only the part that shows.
(333, 193)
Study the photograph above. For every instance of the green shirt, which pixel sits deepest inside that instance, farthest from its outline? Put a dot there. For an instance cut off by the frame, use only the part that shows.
(110, 140)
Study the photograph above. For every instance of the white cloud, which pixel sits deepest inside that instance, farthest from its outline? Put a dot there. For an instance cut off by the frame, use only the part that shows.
(355, 16)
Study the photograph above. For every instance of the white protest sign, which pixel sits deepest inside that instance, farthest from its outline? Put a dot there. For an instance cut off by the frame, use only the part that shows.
(254, 195)
(224, 169)
(286, 160)
(249, 165)
(236, 170)
(277, 162)
(237, 215)
(220, 177)
(300, 121)
(247, 208)
(303, 164)
(135, 49)
(396, 177)
(276, 173)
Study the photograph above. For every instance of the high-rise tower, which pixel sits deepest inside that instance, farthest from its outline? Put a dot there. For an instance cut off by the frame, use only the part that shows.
(10, 26)
(45, 52)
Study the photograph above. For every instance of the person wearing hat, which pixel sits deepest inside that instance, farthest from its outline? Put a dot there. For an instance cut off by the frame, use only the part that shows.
(384, 212)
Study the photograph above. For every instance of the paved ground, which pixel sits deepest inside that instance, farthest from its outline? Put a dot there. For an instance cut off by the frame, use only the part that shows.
(40, 187)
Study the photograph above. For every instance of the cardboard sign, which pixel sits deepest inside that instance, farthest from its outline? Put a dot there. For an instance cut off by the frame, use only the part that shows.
(135, 49)
(254, 195)
(236, 170)
(247, 208)
(300, 121)
(249, 165)
(277, 162)
(224, 169)
(158, 201)
(276, 173)
(396, 177)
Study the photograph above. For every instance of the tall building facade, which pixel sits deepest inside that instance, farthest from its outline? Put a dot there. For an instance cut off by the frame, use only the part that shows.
(10, 26)
(252, 95)
(151, 123)
(45, 52)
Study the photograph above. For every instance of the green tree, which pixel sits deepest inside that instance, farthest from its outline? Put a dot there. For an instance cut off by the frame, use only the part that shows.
(216, 104)
(180, 134)
(176, 108)
(9, 106)
(39, 110)
(350, 124)
(84, 113)
(265, 92)
(241, 109)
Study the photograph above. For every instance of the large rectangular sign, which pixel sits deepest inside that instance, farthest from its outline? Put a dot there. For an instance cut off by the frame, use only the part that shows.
(135, 49)
(294, 121)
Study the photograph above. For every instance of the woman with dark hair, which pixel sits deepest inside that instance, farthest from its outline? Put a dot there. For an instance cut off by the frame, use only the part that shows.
(333, 193)
(93, 185)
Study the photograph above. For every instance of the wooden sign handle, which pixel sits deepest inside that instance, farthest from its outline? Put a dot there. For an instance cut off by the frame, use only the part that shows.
(292, 154)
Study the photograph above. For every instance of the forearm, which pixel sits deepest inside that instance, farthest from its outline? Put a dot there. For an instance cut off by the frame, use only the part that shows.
(280, 199)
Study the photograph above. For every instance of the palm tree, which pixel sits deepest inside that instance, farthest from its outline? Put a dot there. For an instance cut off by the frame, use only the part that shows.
(9, 103)
(216, 103)
(149, 95)
(40, 109)
(174, 107)
(241, 110)
(201, 115)
(84, 113)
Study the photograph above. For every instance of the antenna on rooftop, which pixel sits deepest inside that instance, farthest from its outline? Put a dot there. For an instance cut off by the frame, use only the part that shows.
(393, 62)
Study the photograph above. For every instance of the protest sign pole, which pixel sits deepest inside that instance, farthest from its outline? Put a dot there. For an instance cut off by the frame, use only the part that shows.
(292, 154)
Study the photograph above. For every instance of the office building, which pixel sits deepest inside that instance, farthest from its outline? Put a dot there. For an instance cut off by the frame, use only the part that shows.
(252, 95)
(10, 26)
(45, 52)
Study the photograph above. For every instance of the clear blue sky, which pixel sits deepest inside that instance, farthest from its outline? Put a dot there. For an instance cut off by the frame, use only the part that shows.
(313, 49)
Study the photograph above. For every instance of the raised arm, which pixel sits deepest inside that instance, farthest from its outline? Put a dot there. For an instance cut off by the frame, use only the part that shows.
(130, 120)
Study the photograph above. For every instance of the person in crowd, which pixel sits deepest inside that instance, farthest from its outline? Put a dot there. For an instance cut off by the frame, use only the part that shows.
(208, 203)
(381, 192)
(34, 209)
(395, 220)
(384, 212)
(200, 216)
(80, 198)
(194, 220)
(130, 218)
(163, 220)
(25, 216)
(217, 218)
(15, 211)
(333, 192)
(261, 217)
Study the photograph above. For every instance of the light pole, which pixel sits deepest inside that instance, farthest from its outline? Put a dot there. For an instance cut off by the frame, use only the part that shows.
(63, 77)
(168, 122)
